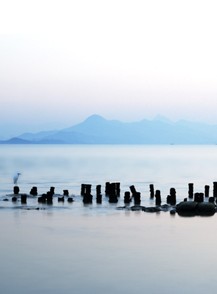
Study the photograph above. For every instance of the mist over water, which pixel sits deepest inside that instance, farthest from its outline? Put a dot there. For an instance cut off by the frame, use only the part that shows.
(67, 166)
(73, 248)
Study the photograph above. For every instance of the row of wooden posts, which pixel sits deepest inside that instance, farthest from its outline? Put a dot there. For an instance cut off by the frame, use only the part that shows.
(112, 191)
(44, 198)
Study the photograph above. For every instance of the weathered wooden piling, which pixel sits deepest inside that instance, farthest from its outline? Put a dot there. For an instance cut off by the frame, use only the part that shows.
(82, 189)
(66, 192)
(206, 188)
(46, 198)
(198, 197)
(87, 199)
(42, 198)
(86, 193)
(85, 189)
(23, 198)
(33, 191)
(171, 199)
(98, 194)
(98, 189)
(157, 197)
(16, 190)
(52, 190)
(107, 188)
(117, 189)
(49, 196)
(215, 189)
(127, 198)
(99, 199)
(70, 199)
(112, 190)
(133, 190)
(113, 199)
(137, 198)
(151, 186)
(191, 190)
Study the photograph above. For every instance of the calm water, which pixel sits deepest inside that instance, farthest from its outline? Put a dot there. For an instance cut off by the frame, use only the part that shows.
(66, 167)
(98, 249)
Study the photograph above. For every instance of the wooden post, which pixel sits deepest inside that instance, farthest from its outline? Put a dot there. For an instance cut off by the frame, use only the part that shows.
(23, 198)
(206, 191)
(66, 192)
(198, 197)
(133, 190)
(151, 186)
(127, 198)
(107, 188)
(137, 198)
(52, 190)
(157, 197)
(34, 191)
(98, 194)
(214, 189)
(190, 190)
(49, 197)
(16, 190)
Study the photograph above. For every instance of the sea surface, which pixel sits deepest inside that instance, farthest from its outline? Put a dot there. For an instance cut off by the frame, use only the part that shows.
(77, 248)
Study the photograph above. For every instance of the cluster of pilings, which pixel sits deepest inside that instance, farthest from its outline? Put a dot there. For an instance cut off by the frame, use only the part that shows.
(136, 196)
(86, 193)
(201, 196)
(45, 198)
(112, 191)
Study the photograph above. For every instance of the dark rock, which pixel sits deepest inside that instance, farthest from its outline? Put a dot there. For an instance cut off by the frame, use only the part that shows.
(152, 209)
(137, 208)
(123, 207)
(188, 208)
(165, 207)
(192, 208)
(211, 199)
(206, 209)
(61, 199)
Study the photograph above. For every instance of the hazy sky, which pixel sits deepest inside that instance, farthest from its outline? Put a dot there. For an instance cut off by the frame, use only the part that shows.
(61, 61)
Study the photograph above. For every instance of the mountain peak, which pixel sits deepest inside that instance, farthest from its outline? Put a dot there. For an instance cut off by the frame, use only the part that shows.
(95, 118)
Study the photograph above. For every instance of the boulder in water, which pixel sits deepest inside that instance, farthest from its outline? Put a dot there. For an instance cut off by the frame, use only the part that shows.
(192, 208)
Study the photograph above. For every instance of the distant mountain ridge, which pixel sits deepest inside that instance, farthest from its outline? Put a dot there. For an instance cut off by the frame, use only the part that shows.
(98, 130)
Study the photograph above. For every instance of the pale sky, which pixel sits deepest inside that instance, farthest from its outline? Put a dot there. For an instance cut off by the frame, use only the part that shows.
(61, 61)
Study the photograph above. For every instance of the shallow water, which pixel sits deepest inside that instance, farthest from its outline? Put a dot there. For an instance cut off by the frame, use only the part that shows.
(67, 166)
(123, 252)
(72, 248)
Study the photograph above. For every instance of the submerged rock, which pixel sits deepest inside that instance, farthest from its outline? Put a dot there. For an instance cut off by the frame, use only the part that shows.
(152, 209)
(138, 208)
